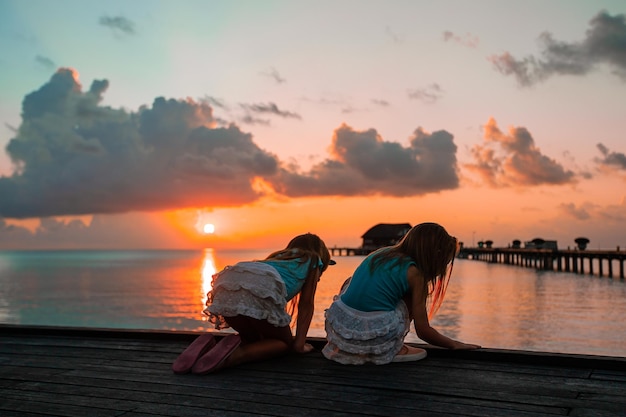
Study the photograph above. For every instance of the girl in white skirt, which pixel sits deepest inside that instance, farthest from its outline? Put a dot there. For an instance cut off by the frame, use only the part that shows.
(251, 297)
(369, 319)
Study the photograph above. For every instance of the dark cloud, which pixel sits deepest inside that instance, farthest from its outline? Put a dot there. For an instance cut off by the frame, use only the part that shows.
(363, 163)
(614, 214)
(270, 108)
(45, 62)
(514, 160)
(611, 159)
(274, 75)
(251, 120)
(139, 230)
(429, 94)
(215, 102)
(578, 213)
(469, 40)
(118, 24)
(380, 102)
(74, 156)
(604, 43)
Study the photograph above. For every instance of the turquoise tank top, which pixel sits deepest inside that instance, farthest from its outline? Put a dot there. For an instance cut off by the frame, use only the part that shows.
(380, 290)
(293, 272)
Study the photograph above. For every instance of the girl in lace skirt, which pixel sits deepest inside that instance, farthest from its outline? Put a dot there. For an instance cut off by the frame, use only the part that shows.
(369, 319)
(251, 297)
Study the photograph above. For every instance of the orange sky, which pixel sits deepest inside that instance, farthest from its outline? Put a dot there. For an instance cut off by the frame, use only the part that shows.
(469, 119)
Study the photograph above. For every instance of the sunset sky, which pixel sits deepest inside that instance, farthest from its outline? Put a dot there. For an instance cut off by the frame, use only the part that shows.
(132, 124)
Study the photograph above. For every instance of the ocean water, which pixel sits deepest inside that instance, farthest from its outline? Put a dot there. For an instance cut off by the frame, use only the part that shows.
(496, 306)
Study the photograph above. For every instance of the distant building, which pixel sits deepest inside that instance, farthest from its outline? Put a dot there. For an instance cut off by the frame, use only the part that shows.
(539, 243)
(384, 234)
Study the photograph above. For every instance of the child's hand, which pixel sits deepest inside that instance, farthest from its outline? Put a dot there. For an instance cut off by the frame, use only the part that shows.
(465, 346)
(304, 349)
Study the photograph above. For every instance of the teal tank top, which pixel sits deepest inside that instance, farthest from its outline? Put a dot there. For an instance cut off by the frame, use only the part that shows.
(293, 272)
(380, 290)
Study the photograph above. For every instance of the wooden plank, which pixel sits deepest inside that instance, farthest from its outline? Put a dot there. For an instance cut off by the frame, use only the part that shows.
(132, 375)
(109, 403)
(377, 402)
(220, 383)
(32, 407)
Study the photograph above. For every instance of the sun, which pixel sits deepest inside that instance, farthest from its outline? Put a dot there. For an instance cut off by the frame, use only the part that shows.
(208, 228)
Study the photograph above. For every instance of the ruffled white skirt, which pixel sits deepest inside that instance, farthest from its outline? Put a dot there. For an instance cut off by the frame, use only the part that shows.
(357, 337)
(252, 289)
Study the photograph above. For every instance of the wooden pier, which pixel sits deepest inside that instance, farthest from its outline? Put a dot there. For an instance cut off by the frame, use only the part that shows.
(592, 262)
(106, 373)
(348, 251)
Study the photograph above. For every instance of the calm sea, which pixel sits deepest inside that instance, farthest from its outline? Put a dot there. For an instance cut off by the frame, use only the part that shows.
(493, 305)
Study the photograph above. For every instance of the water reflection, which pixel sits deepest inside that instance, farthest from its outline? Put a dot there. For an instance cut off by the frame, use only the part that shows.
(493, 305)
(208, 270)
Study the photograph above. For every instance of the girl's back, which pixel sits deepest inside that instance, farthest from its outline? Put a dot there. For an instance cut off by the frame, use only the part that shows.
(379, 289)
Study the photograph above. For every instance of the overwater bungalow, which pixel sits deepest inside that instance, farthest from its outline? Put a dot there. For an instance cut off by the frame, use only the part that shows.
(384, 234)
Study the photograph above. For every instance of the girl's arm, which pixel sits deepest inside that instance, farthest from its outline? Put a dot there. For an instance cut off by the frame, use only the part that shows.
(420, 316)
(305, 311)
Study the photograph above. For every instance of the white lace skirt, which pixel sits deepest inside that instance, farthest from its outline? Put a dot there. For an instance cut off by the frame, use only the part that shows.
(252, 289)
(357, 337)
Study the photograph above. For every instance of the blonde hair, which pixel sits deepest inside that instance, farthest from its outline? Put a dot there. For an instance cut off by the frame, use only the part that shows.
(306, 247)
(433, 250)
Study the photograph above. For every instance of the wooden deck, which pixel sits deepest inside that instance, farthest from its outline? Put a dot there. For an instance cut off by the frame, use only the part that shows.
(83, 372)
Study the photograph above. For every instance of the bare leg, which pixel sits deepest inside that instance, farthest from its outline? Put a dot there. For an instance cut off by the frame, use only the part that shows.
(257, 351)
(259, 340)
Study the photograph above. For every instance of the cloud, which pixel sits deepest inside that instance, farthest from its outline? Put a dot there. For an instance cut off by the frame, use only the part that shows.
(612, 214)
(611, 159)
(270, 108)
(380, 102)
(579, 213)
(74, 156)
(12, 233)
(275, 75)
(118, 24)
(135, 230)
(428, 95)
(215, 102)
(469, 40)
(615, 214)
(362, 163)
(514, 160)
(45, 62)
(251, 120)
(604, 43)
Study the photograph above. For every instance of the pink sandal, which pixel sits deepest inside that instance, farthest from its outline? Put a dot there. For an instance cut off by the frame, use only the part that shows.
(194, 351)
(215, 358)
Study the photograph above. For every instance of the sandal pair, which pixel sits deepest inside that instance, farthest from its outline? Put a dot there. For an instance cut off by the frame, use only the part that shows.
(204, 355)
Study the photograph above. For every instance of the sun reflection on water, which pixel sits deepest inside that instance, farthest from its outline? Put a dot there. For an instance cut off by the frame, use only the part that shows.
(208, 270)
